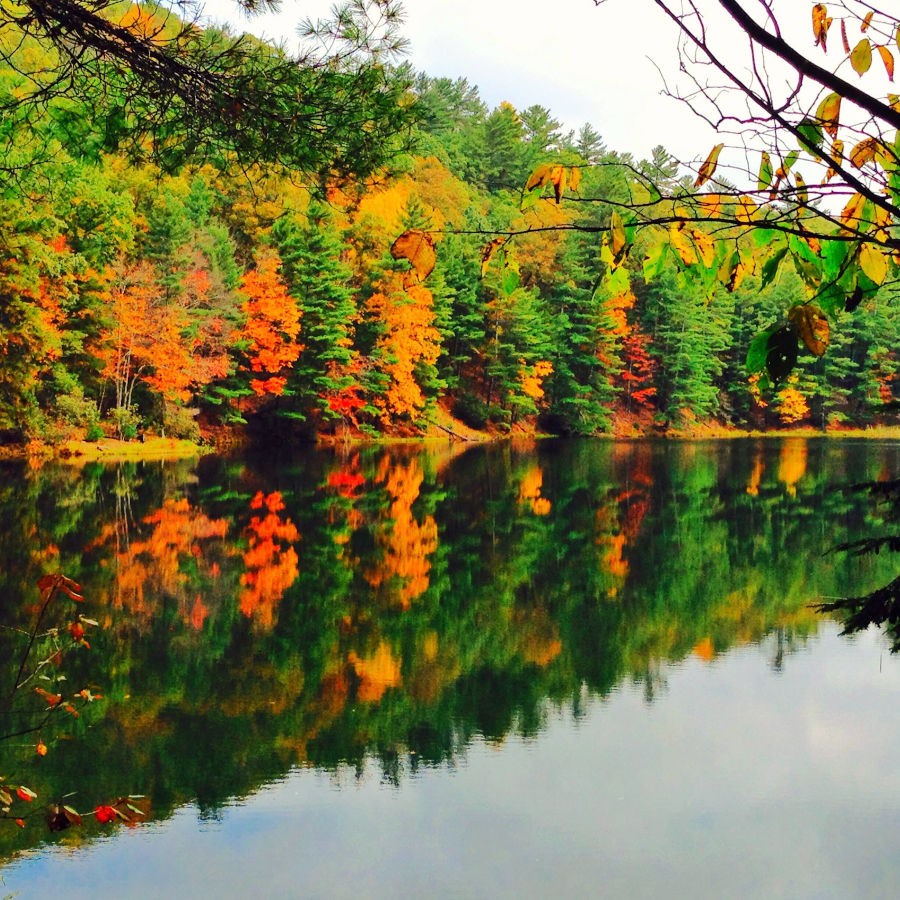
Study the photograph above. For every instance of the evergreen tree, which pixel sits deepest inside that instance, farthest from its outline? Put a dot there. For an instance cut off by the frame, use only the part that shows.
(319, 280)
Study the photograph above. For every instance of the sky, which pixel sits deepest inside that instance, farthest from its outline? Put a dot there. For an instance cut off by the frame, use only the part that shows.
(584, 63)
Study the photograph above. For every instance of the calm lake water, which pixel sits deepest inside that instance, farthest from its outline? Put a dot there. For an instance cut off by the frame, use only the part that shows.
(558, 669)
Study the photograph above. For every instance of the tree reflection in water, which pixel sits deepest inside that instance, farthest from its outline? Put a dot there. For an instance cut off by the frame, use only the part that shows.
(399, 603)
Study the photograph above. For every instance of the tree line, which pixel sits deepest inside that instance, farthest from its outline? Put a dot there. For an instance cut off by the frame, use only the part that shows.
(144, 295)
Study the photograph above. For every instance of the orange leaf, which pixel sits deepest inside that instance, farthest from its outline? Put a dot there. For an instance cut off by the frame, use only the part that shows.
(417, 247)
(820, 24)
(812, 327)
(558, 180)
(852, 211)
(52, 699)
(888, 59)
(41, 748)
(866, 22)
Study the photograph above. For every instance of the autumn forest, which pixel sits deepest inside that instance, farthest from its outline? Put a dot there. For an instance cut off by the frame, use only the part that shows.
(206, 301)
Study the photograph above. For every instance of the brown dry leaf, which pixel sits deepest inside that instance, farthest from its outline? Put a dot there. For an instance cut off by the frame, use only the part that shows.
(417, 247)
(487, 253)
(811, 326)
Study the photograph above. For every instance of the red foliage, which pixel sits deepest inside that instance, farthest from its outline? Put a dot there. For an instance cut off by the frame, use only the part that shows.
(105, 814)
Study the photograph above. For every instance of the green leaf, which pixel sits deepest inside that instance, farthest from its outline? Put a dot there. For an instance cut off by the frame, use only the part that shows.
(834, 253)
(757, 352)
(770, 269)
(762, 237)
(529, 198)
(831, 299)
(861, 57)
(509, 282)
(655, 261)
(811, 134)
(617, 281)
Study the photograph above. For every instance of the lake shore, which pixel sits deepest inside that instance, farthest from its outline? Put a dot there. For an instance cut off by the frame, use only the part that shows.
(79, 452)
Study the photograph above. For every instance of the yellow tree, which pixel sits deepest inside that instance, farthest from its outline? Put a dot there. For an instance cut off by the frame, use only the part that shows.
(408, 346)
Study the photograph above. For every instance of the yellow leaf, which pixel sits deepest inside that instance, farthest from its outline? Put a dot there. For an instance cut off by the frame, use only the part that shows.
(852, 211)
(888, 59)
(709, 166)
(802, 194)
(873, 262)
(705, 247)
(828, 113)
(574, 178)
(682, 244)
(811, 326)
(861, 57)
(711, 204)
(745, 210)
(418, 248)
(539, 177)
(617, 231)
(864, 152)
(820, 25)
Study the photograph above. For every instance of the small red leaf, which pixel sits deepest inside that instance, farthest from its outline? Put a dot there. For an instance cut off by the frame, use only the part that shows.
(105, 814)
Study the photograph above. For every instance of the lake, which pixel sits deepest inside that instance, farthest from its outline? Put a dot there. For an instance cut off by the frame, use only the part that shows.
(584, 668)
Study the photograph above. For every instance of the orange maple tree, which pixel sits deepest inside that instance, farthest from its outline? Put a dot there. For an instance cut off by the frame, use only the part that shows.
(272, 326)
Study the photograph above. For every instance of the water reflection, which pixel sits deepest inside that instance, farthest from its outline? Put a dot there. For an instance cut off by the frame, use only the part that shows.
(400, 604)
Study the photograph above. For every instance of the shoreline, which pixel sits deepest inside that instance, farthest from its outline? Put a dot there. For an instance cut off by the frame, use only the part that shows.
(78, 452)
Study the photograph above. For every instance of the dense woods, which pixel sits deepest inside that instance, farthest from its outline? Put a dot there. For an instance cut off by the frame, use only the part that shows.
(209, 296)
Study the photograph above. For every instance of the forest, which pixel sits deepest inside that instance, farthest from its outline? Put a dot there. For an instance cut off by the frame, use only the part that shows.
(203, 299)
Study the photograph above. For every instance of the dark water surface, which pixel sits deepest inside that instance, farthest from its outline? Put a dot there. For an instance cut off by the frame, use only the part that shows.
(565, 669)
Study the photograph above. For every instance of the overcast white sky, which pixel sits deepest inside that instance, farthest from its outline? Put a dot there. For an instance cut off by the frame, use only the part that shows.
(584, 63)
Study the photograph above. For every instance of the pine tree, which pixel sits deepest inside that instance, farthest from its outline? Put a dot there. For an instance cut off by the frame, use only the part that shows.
(320, 282)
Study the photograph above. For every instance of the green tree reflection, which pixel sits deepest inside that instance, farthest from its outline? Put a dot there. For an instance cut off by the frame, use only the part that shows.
(396, 604)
